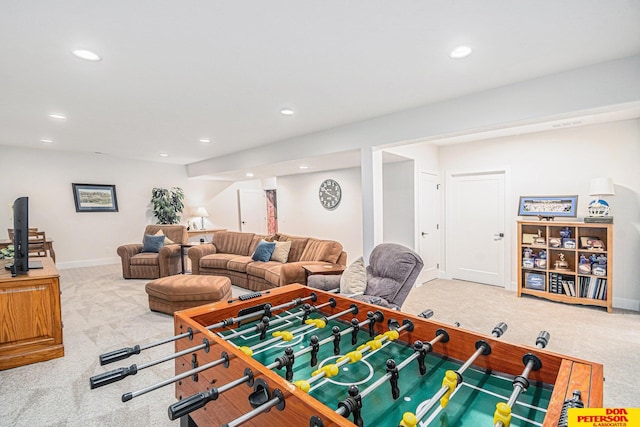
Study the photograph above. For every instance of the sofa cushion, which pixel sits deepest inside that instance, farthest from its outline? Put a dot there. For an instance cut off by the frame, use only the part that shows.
(177, 233)
(145, 258)
(297, 246)
(260, 269)
(218, 261)
(321, 250)
(233, 242)
(263, 251)
(167, 241)
(152, 243)
(281, 252)
(354, 278)
(239, 263)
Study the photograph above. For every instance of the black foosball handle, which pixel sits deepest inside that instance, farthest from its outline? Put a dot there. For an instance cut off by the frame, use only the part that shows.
(114, 356)
(191, 403)
(111, 376)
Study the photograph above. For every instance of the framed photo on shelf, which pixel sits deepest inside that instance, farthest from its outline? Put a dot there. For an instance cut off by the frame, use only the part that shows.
(95, 198)
(548, 206)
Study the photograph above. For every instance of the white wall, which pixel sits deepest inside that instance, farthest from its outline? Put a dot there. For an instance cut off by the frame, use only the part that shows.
(300, 212)
(399, 203)
(562, 162)
(86, 238)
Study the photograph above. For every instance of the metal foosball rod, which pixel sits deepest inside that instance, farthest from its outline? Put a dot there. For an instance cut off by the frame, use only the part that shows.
(123, 353)
(276, 399)
(502, 415)
(281, 337)
(121, 373)
(198, 400)
(354, 356)
(420, 350)
(288, 335)
(257, 328)
(452, 380)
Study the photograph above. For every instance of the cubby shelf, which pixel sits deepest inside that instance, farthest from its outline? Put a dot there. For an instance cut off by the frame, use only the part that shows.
(560, 275)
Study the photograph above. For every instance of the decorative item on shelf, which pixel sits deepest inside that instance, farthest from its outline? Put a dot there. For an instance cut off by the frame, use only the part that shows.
(555, 242)
(584, 267)
(565, 233)
(548, 207)
(561, 263)
(539, 240)
(527, 252)
(599, 208)
(534, 281)
(541, 260)
(599, 268)
(569, 243)
(528, 262)
(202, 213)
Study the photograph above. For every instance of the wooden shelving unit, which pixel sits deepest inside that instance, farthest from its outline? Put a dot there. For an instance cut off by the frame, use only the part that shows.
(563, 275)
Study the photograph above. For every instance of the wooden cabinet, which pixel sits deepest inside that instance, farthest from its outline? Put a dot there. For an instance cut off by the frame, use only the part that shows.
(569, 262)
(30, 316)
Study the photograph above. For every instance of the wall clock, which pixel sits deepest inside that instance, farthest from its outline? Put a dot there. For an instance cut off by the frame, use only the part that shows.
(330, 194)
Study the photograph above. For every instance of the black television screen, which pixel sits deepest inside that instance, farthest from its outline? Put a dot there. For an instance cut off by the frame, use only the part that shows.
(21, 236)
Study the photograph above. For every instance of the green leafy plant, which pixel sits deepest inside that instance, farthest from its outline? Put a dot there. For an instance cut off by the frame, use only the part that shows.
(167, 204)
(7, 253)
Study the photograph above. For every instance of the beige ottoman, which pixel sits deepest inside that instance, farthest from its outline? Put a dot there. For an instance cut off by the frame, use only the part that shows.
(173, 293)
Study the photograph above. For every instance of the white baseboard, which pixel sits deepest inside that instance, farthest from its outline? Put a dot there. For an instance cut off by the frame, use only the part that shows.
(87, 263)
(626, 304)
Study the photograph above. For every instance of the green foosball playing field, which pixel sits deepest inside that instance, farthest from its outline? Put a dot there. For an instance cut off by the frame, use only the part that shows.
(472, 403)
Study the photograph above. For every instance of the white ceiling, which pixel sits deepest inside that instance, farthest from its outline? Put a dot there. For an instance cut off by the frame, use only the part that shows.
(177, 71)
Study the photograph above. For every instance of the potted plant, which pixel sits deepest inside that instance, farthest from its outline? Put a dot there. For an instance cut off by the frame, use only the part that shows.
(167, 204)
(6, 255)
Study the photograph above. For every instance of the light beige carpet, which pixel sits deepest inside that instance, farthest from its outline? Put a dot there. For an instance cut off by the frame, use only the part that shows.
(101, 312)
(612, 339)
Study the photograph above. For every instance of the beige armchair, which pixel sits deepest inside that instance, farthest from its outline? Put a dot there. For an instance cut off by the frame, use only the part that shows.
(153, 265)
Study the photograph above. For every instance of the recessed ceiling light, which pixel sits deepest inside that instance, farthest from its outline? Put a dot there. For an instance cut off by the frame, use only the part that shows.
(249, 174)
(164, 155)
(87, 55)
(287, 112)
(205, 140)
(46, 141)
(58, 116)
(460, 52)
(304, 166)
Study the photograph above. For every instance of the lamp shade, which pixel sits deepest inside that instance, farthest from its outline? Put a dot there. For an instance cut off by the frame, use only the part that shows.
(601, 187)
(202, 212)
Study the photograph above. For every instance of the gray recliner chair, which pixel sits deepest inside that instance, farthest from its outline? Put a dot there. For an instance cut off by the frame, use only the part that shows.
(391, 273)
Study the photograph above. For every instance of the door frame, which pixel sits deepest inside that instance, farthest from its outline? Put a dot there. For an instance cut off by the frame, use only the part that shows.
(509, 224)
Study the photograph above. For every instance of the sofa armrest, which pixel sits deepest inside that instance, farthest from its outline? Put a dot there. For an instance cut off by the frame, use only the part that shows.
(324, 282)
(197, 252)
(165, 256)
(126, 252)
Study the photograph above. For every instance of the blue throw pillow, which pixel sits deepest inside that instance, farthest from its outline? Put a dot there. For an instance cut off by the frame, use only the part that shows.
(263, 251)
(151, 243)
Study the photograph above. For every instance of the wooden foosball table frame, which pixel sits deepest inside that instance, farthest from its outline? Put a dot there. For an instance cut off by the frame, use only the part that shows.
(565, 373)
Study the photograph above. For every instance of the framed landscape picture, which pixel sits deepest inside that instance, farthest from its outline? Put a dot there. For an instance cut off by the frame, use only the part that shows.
(548, 206)
(95, 198)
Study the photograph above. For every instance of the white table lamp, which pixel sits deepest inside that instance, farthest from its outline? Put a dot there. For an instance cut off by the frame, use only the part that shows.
(600, 187)
(202, 213)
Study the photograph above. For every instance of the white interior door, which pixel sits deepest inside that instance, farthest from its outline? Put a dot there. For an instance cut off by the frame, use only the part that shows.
(252, 209)
(475, 227)
(429, 238)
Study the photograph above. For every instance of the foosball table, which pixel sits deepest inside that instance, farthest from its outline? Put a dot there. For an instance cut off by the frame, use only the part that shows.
(299, 356)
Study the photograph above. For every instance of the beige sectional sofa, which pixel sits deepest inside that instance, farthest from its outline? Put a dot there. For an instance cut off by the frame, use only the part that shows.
(229, 255)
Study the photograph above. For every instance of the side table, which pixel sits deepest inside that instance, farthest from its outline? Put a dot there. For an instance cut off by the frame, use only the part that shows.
(184, 246)
(327, 269)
